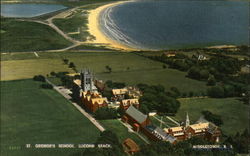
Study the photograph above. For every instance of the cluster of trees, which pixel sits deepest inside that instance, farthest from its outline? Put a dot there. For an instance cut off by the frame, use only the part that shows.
(240, 142)
(115, 85)
(70, 64)
(228, 90)
(106, 137)
(218, 69)
(105, 113)
(181, 148)
(39, 78)
(65, 79)
(155, 98)
(46, 86)
(214, 118)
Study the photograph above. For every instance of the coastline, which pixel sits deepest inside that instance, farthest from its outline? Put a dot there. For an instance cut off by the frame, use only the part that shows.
(100, 37)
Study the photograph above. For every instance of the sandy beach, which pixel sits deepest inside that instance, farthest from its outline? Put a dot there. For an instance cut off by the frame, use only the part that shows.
(100, 38)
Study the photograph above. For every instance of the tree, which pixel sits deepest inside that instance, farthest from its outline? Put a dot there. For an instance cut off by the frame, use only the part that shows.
(109, 69)
(104, 113)
(164, 66)
(39, 78)
(204, 74)
(71, 65)
(76, 93)
(175, 91)
(211, 80)
(216, 119)
(67, 81)
(46, 86)
(229, 90)
(107, 93)
(52, 73)
(194, 72)
(66, 61)
(144, 109)
(216, 92)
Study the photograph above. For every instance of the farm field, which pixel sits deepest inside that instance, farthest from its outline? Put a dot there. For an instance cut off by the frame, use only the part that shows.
(126, 67)
(233, 112)
(19, 36)
(121, 131)
(31, 115)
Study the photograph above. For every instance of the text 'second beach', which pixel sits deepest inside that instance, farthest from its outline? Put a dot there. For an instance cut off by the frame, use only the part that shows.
(94, 29)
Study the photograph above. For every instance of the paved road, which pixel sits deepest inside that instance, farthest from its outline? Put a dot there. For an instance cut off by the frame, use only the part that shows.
(64, 92)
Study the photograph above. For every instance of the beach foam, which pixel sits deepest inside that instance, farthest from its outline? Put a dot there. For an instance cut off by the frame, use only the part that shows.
(100, 37)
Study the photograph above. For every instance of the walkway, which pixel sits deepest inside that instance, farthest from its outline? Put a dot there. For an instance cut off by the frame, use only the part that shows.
(177, 123)
(161, 121)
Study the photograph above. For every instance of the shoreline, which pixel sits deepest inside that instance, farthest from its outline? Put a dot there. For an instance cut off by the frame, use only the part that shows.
(100, 37)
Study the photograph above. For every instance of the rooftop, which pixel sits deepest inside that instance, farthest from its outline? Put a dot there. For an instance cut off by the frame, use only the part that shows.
(119, 91)
(136, 114)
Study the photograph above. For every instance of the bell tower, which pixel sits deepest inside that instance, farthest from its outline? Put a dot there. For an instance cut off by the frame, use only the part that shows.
(86, 80)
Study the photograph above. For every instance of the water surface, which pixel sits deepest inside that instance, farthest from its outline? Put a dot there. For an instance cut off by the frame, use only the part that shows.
(28, 10)
(177, 24)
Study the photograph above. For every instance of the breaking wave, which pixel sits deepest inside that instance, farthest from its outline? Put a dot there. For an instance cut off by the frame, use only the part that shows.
(110, 29)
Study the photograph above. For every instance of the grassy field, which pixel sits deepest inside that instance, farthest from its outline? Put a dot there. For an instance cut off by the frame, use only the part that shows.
(122, 131)
(126, 67)
(76, 22)
(29, 36)
(33, 115)
(21, 69)
(233, 112)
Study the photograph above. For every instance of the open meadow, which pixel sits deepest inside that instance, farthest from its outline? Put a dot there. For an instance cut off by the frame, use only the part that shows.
(32, 115)
(126, 67)
(19, 36)
(234, 113)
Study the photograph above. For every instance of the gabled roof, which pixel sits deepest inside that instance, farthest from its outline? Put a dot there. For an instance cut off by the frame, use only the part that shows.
(161, 134)
(174, 129)
(131, 144)
(119, 91)
(200, 127)
(136, 114)
(212, 128)
(130, 101)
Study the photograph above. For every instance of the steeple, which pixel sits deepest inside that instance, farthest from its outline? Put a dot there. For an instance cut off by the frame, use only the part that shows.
(187, 121)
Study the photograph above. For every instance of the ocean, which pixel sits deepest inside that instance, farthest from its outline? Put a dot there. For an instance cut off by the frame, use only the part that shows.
(158, 25)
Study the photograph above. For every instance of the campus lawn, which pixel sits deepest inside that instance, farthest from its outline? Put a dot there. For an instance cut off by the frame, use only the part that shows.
(126, 67)
(19, 36)
(121, 131)
(233, 112)
(132, 69)
(31, 115)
